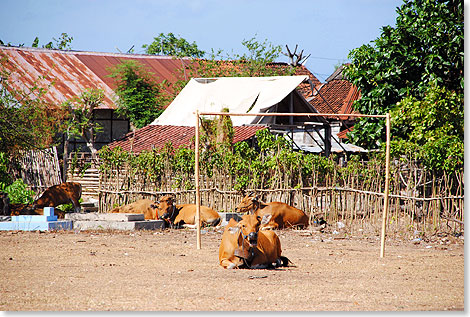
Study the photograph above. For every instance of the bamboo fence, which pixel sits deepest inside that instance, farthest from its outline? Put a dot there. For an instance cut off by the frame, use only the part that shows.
(436, 206)
(39, 169)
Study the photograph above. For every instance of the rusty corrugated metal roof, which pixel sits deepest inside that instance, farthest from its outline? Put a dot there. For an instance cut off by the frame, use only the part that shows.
(72, 72)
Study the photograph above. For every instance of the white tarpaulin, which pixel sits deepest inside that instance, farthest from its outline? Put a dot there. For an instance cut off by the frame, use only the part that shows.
(238, 94)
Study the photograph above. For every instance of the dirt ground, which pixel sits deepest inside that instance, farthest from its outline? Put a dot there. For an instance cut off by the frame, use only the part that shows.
(164, 271)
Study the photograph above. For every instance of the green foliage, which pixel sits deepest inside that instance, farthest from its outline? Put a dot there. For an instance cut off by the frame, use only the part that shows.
(256, 62)
(259, 55)
(4, 166)
(169, 44)
(275, 165)
(78, 167)
(18, 192)
(431, 129)
(425, 45)
(63, 43)
(81, 122)
(140, 97)
(68, 207)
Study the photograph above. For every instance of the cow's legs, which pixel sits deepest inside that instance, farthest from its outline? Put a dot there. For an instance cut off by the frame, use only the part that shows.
(76, 205)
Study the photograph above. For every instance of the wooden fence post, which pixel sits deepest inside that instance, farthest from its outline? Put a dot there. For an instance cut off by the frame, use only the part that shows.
(196, 176)
(386, 192)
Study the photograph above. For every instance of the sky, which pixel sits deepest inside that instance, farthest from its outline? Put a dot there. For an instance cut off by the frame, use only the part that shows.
(326, 29)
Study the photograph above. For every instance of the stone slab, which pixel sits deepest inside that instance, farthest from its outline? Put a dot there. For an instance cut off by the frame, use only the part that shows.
(96, 216)
(118, 225)
(33, 218)
(48, 211)
(39, 225)
(226, 216)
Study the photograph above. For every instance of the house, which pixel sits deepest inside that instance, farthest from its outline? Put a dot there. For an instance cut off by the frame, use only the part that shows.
(238, 95)
(68, 73)
(72, 72)
(281, 94)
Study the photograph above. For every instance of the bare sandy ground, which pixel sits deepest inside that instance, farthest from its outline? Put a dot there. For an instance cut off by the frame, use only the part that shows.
(163, 271)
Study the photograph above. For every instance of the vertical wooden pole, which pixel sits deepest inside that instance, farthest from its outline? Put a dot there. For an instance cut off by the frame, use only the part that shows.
(196, 176)
(386, 193)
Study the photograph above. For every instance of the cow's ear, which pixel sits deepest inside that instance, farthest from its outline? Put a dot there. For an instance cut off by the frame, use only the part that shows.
(233, 230)
(266, 219)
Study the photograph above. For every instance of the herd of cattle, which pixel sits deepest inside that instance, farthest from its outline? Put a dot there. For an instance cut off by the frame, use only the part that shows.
(248, 243)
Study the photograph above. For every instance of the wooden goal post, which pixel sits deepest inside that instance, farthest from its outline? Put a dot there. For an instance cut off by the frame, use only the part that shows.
(387, 161)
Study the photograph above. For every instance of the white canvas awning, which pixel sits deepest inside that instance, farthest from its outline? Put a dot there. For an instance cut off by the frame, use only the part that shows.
(238, 94)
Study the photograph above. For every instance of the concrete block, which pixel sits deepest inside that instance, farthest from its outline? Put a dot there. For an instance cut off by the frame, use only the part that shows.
(228, 215)
(118, 225)
(95, 216)
(33, 218)
(39, 225)
(48, 211)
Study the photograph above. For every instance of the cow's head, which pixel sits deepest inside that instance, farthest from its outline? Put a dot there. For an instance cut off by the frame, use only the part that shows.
(249, 204)
(165, 208)
(246, 231)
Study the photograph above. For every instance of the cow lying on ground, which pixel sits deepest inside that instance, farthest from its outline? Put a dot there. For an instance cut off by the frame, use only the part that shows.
(53, 196)
(184, 214)
(243, 245)
(56, 195)
(28, 210)
(283, 215)
(141, 206)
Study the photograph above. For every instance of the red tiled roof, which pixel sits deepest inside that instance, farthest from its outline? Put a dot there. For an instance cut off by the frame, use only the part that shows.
(336, 96)
(156, 136)
(343, 134)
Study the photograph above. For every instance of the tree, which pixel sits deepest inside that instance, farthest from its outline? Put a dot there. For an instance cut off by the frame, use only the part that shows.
(140, 97)
(63, 43)
(81, 122)
(169, 44)
(431, 129)
(260, 54)
(27, 120)
(256, 62)
(425, 46)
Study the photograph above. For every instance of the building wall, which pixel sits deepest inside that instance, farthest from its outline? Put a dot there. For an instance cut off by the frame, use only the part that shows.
(114, 127)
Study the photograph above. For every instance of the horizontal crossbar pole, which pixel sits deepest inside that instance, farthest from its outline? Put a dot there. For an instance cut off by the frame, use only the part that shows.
(274, 114)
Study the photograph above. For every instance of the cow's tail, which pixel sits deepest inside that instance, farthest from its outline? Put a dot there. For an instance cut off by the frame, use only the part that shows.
(284, 262)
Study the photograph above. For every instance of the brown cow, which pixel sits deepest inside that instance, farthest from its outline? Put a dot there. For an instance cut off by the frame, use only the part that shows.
(141, 206)
(283, 215)
(56, 195)
(184, 214)
(244, 246)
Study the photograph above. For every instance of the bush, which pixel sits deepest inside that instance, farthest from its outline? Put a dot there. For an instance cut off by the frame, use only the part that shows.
(18, 192)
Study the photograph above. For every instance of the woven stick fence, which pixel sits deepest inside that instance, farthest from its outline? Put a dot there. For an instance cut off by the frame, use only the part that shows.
(352, 206)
